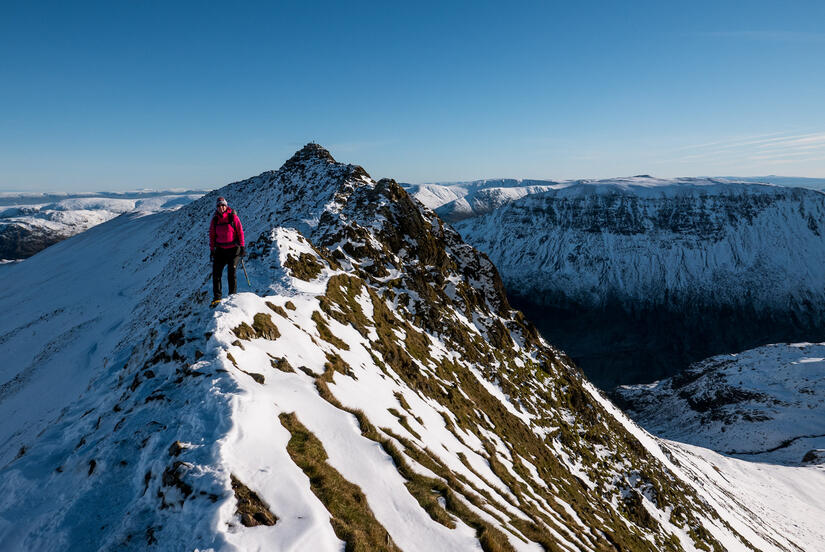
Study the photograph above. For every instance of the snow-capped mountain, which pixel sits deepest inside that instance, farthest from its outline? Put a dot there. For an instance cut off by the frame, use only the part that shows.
(454, 201)
(372, 389)
(31, 222)
(458, 200)
(766, 404)
(635, 278)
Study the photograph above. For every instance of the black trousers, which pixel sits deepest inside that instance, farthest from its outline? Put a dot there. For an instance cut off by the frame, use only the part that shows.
(224, 257)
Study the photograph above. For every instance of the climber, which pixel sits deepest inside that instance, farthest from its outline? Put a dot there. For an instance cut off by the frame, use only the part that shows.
(226, 246)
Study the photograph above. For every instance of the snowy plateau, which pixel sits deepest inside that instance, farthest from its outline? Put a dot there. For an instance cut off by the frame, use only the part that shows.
(372, 389)
(31, 222)
(638, 277)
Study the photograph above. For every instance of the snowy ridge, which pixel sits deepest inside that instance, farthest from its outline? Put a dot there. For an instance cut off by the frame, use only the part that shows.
(372, 388)
(789, 181)
(766, 404)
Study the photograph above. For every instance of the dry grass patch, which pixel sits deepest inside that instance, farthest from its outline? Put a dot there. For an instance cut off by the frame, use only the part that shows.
(404, 423)
(351, 517)
(325, 333)
(277, 309)
(341, 302)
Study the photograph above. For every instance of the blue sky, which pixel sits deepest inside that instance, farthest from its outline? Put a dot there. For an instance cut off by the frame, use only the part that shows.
(142, 94)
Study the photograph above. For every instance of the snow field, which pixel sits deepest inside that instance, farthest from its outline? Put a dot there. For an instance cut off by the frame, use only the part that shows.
(785, 502)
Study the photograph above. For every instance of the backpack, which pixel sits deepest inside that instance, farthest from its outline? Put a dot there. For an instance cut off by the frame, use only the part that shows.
(230, 221)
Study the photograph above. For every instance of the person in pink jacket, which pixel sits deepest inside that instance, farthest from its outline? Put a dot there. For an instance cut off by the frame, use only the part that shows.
(226, 246)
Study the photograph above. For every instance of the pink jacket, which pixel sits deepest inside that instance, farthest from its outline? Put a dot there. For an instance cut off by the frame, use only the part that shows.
(225, 230)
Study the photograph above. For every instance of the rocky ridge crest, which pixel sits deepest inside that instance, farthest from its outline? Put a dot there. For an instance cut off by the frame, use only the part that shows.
(375, 388)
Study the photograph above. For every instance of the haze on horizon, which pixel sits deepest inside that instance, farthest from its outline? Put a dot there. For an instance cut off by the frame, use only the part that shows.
(150, 95)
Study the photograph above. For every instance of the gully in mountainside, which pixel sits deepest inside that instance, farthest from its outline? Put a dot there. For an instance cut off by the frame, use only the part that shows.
(226, 246)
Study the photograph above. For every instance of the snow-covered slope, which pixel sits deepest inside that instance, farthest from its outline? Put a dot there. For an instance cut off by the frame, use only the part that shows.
(618, 271)
(788, 498)
(372, 389)
(789, 181)
(766, 404)
(32, 222)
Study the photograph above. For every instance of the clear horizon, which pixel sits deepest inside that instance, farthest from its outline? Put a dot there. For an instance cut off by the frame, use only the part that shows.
(815, 183)
(112, 97)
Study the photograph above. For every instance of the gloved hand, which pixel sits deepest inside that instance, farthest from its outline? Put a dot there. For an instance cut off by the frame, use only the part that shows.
(243, 251)
(211, 255)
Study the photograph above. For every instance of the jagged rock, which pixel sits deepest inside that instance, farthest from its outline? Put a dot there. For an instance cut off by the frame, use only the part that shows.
(251, 508)
(814, 456)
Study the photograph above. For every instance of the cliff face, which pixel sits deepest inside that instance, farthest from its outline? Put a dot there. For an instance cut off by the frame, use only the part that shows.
(371, 388)
(640, 272)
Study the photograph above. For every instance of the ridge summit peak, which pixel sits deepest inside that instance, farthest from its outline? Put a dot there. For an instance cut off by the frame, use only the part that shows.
(309, 152)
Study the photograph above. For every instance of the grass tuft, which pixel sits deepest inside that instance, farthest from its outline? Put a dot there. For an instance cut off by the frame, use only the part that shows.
(325, 333)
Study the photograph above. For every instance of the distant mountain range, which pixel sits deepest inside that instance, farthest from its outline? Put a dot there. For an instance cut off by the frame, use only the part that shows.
(638, 277)
(458, 200)
(30, 222)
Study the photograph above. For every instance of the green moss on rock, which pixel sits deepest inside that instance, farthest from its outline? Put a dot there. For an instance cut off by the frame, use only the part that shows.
(277, 309)
(281, 364)
(264, 327)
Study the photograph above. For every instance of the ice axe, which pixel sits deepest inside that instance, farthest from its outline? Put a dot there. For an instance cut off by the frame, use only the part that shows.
(244, 273)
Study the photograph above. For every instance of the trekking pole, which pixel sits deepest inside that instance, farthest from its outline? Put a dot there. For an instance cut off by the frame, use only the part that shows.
(244, 273)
